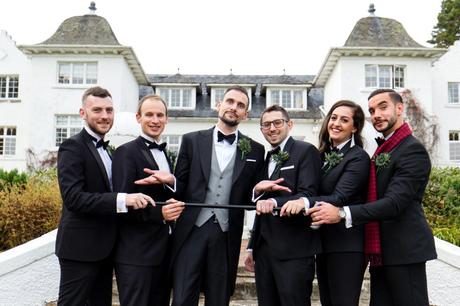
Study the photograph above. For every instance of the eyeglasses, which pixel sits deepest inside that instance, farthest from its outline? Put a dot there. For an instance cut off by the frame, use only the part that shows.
(276, 123)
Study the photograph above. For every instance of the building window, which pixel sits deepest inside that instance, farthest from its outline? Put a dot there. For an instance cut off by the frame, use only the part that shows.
(178, 97)
(77, 73)
(384, 76)
(217, 94)
(9, 86)
(7, 140)
(454, 145)
(453, 90)
(173, 142)
(67, 126)
(291, 99)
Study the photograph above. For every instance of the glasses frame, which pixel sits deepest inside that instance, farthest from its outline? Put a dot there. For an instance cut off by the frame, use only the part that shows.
(278, 123)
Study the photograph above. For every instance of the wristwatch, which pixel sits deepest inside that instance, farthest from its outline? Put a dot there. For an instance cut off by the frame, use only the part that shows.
(342, 213)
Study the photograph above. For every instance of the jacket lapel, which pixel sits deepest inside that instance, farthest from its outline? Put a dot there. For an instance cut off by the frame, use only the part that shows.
(147, 153)
(239, 163)
(92, 148)
(287, 148)
(205, 149)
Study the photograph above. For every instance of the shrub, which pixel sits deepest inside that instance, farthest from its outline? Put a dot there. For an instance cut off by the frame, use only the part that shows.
(10, 178)
(30, 210)
(442, 203)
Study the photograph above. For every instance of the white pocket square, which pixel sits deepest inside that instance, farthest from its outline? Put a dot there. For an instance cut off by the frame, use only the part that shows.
(287, 167)
(251, 160)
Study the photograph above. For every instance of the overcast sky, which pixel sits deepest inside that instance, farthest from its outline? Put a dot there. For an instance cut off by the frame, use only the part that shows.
(214, 36)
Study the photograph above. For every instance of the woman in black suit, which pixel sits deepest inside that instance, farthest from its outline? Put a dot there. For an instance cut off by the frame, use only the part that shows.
(341, 265)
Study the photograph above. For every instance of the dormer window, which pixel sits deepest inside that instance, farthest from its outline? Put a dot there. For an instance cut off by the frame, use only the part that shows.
(217, 94)
(77, 73)
(178, 97)
(289, 98)
(384, 76)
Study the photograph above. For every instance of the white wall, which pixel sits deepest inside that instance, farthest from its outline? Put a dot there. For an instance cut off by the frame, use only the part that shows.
(446, 69)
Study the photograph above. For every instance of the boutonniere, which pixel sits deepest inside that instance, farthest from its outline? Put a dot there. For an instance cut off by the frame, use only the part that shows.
(172, 155)
(332, 159)
(245, 147)
(280, 158)
(381, 160)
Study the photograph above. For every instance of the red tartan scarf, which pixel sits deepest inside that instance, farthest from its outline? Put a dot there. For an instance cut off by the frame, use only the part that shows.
(372, 248)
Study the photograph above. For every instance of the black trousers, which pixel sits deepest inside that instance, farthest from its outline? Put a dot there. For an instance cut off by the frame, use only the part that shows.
(85, 283)
(283, 282)
(402, 285)
(202, 263)
(340, 277)
(140, 285)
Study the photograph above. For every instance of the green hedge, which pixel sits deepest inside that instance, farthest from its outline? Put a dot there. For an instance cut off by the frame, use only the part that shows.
(29, 210)
(11, 178)
(442, 203)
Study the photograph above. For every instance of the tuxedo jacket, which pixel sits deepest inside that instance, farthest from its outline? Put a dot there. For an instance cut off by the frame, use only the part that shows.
(143, 235)
(405, 235)
(291, 237)
(344, 185)
(192, 175)
(87, 229)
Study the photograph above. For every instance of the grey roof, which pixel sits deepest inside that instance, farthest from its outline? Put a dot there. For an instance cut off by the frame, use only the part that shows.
(380, 32)
(203, 97)
(83, 30)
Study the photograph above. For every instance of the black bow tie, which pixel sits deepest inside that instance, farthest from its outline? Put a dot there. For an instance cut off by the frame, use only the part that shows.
(230, 138)
(100, 142)
(380, 141)
(154, 145)
(272, 152)
(334, 149)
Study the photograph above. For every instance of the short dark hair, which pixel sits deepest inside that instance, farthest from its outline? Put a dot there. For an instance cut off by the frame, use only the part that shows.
(358, 123)
(151, 97)
(395, 97)
(275, 108)
(240, 89)
(96, 91)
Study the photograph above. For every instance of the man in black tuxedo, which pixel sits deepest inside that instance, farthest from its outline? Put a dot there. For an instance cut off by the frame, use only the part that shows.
(405, 238)
(284, 247)
(87, 231)
(142, 250)
(215, 166)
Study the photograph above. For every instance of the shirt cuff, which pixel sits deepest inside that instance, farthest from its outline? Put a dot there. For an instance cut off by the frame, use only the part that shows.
(173, 188)
(306, 202)
(121, 203)
(249, 250)
(254, 199)
(348, 220)
(274, 201)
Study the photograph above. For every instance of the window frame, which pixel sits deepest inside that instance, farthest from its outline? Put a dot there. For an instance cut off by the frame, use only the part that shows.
(86, 78)
(213, 99)
(455, 134)
(4, 143)
(9, 88)
(159, 91)
(292, 90)
(68, 127)
(450, 95)
(397, 76)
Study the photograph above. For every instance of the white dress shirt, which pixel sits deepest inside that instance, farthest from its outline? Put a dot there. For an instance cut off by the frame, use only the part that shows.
(224, 150)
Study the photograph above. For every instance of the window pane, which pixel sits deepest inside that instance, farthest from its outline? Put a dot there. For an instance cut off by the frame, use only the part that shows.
(13, 87)
(219, 94)
(75, 120)
(286, 98)
(186, 98)
(1, 146)
(371, 75)
(175, 97)
(453, 89)
(385, 76)
(61, 120)
(399, 76)
(298, 99)
(64, 73)
(275, 97)
(91, 73)
(7, 140)
(77, 73)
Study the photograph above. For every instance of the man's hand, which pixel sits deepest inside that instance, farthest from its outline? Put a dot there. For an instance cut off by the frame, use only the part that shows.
(249, 264)
(265, 206)
(172, 210)
(293, 207)
(268, 186)
(156, 177)
(138, 200)
(324, 213)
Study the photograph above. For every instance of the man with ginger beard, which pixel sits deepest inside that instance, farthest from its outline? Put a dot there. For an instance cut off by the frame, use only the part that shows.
(87, 231)
(215, 166)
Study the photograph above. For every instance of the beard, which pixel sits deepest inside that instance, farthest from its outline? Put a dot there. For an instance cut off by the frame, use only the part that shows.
(391, 123)
(229, 122)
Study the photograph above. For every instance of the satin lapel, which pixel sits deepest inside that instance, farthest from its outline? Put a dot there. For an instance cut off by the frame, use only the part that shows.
(92, 148)
(239, 163)
(287, 148)
(205, 149)
(147, 153)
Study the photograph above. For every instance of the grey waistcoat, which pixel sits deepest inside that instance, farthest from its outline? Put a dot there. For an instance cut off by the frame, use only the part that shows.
(218, 192)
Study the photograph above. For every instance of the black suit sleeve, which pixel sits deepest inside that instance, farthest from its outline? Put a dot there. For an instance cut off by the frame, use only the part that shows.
(406, 187)
(308, 176)
(72, 172)
(182, 170)
(354, 175)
